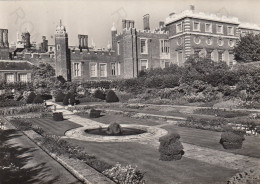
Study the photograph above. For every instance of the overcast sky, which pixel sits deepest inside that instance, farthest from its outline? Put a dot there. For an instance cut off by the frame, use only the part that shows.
(95, 17)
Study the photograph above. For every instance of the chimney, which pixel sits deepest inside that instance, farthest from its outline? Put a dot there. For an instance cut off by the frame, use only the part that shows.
(161, 23)
(123, 24)
(86, 41)
(132, 23)
(79, 37)
(192, 7)
(146, 22)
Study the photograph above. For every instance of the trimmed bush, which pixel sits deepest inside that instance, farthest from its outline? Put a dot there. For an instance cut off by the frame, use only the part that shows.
(170, 147)
(30, 98)
(99, 94)
(94, 113)
(111, 97)
(69, 99)
(38, 99)
(232, 139)
(57, 116)
(114, 129)
(59, 96)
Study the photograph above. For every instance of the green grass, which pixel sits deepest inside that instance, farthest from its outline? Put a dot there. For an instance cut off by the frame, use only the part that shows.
(221, 113)
(147, 159)
(54, 127)
(210, 139)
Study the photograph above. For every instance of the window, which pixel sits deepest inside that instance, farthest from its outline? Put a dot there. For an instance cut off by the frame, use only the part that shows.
(118, 48)
(113, 69)
(58, 47)
(230, 30)
(165, 48)
(208, 28)
(143, 46)
(179, 28)
(220, 29)
(220, 42)
(209, 41)
(118, 68)
(196, 26)
(9, 78)
(23, 77)
(77, 69)
(103, 70)
(144, 64)
(93, 70)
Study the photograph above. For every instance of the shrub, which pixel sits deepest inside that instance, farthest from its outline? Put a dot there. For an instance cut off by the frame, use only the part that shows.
(59, 96)
(94, 113)
(69, 99)
(38, 99)
(170, 147)
(125, 174)
(57, 116)
(231, 139)
(114, 129)
(111, 97)
(99, 94)
(30, 98)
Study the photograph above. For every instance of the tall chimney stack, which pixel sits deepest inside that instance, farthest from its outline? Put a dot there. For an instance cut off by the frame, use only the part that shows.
(146, 22)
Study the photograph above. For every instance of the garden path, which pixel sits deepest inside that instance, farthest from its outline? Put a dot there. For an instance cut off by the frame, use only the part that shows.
(210, 156)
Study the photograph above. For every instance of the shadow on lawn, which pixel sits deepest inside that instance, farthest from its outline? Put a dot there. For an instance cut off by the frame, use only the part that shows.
(13, 160)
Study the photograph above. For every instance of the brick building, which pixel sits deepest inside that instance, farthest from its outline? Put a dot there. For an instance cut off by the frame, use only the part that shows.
(134, 50)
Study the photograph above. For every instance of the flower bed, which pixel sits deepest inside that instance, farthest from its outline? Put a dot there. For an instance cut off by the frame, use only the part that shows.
(219, 124)
(24, 109)
(221, 112)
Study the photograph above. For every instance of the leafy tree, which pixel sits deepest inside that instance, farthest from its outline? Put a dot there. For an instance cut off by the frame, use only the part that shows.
(248, 48)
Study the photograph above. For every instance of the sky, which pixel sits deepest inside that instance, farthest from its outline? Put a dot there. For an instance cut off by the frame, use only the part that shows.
(96, 17)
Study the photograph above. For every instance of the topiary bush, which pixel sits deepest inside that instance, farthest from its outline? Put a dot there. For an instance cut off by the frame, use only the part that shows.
(99, 94)
(30, 98)
(232, 139)
(59, 96)
(111, 96)
(38, 99)
(170, 147)
(94, 113)
(57, 116)
(114, 129)
(69, 99)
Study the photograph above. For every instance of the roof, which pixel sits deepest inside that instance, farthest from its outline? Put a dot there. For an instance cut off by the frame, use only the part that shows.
(245, 25)
(15, 65)
(200, 15)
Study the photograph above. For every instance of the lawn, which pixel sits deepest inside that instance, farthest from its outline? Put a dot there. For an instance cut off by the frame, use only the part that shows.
(54, 127)
(147, 159)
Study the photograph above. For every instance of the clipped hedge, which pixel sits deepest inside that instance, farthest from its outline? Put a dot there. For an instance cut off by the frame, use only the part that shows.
(94, 113)
(170, 147)
(69, 99)
(30, 98)
(59, 96)
(38, 99)
(99, 94)
(232, 139)
(111, 97)
(57, 116)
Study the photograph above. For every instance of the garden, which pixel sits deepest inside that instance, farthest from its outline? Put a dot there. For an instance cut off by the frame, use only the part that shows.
(197, 123)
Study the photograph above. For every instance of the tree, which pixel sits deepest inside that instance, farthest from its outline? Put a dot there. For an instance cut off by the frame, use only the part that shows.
(248, 48)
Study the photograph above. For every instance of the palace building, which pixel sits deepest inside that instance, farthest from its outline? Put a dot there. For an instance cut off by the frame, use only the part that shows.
(178, 37)
(133, 50)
